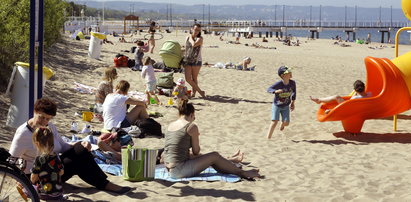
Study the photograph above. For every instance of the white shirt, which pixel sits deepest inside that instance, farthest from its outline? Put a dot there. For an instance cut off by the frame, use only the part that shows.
(114, 110)
(148, 73)
(22, 144)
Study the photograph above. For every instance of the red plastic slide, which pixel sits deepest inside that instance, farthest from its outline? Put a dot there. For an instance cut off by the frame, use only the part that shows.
(390, 96)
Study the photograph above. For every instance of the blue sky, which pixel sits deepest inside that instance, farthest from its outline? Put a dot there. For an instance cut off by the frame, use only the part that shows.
(351, 3)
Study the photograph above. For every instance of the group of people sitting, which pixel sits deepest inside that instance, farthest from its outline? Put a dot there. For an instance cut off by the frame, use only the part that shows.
(38, 142)
(51, 161)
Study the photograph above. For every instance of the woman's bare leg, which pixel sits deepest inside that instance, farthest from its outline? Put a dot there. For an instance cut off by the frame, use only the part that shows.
(188, 72)
(195, 71)
(153, 44)
(221, 164)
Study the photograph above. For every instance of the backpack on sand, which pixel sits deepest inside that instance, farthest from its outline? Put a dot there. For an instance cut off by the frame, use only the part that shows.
(165, 80)
(149, 127)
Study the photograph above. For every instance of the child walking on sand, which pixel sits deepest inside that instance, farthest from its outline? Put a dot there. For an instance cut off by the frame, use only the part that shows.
(285, 95)
(47, 168)
(180, 91)
(147, 73)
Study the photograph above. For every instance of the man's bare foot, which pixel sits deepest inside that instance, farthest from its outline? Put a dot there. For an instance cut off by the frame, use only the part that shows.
(316, 100)
(250, 174)
(282, 127)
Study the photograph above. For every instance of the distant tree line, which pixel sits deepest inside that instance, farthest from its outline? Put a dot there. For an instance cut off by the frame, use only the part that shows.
(15, 28)
(15, 31)
(111, 14)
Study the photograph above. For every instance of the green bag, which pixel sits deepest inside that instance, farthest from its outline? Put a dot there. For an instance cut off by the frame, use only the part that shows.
(138, 164)
(165, 80)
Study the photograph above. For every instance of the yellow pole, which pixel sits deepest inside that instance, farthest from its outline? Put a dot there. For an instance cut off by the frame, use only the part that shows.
(396, 55)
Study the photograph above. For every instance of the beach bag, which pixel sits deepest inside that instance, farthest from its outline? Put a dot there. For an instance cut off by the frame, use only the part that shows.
(165, 80)
(138, 164)
(149, 127)
(131, 63)
(133, 49)
(4, 154)
(120, 60)
(171, 54)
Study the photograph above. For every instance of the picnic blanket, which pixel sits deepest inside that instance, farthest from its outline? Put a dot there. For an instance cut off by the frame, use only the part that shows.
(209, 174)
(161, 173)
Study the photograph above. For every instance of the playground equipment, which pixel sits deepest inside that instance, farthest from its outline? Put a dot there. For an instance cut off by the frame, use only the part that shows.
(133, 21)
(389, 81)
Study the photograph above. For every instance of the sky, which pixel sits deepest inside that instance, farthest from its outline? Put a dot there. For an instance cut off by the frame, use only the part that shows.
(338, 3)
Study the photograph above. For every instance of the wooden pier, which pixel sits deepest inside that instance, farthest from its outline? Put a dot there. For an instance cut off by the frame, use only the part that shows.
(262, 28)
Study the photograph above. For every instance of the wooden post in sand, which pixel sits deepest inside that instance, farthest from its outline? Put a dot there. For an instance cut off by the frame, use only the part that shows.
(383, 34)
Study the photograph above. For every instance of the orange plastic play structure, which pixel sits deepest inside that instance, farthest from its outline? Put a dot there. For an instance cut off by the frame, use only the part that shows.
(389, 82)
(390, 96)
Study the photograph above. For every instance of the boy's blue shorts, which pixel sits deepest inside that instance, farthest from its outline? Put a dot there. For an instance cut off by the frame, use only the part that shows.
(284, 111)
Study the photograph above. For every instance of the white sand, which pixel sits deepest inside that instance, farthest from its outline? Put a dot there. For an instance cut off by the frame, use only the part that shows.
(309, 161)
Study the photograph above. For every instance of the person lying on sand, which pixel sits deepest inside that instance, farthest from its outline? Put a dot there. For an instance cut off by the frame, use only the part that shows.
(107, 41)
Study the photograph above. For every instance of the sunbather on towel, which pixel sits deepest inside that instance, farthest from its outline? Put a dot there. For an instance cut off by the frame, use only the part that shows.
(182, 137)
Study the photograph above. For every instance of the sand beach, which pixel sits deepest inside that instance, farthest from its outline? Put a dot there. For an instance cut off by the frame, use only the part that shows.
(308, 161)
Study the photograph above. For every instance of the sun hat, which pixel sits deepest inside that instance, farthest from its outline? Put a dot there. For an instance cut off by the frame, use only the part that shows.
(283, 70)
(181, 82)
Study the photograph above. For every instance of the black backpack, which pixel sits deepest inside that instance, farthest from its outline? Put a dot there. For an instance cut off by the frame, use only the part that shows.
(149, 127)
(4, 154)
(133, 49)
(131, 63)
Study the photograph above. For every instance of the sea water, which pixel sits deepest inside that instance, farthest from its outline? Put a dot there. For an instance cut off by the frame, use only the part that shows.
(360, 34)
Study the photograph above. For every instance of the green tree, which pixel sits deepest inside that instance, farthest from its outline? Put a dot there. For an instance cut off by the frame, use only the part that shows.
(15, 31)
